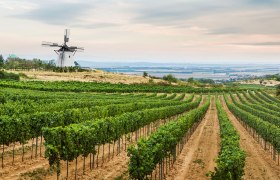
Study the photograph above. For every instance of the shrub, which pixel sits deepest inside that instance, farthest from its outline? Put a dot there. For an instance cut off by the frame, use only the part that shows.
(170, 78)
(8, 76)
(145, 74)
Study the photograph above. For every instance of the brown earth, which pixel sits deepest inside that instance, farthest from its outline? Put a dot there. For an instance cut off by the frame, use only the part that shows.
(199, 153)
(259, 164)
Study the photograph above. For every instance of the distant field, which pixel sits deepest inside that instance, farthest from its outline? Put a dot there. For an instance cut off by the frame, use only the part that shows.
(77, 86)
(255, 86)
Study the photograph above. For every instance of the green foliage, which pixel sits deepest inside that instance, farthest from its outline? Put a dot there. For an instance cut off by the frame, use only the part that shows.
(73, 86)
(268, 131)
(67, 143)
(206, 81)
(76, 64)
(148, 153)
(8, 76)
(1, 61)
(231, 159)
(256, 100)
(278, 90)
(145, 74)
(263, 115)
(24, 64)
(273, 77)
(180, 97)
(38, 173)
(69, 69)
(171, 96)
(191, 80)
(170, 78)
(268, 98)
(66, 113)
(22, 75)
(257, 106)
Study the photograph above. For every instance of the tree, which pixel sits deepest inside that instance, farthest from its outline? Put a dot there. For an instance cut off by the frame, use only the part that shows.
(170, 78)
(1, 61)
(76, 64)
(191, 80)
(278, 90)
(145, 74)
(206, 81)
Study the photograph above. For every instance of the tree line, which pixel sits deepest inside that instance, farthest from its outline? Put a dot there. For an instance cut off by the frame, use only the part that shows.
(15, 63)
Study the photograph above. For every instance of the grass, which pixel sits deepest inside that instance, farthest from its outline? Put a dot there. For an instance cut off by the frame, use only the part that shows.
(38, 174)
(124, 176)
(254, 86)
(18, 151)
(200, 162)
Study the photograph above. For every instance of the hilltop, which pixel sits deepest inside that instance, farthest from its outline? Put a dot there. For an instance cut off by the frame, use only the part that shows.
(90, 76)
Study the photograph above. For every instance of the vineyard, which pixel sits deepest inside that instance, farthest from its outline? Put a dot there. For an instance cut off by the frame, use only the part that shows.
(79, 130)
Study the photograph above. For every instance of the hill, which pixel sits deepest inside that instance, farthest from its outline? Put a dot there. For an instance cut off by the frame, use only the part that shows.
(91, 76)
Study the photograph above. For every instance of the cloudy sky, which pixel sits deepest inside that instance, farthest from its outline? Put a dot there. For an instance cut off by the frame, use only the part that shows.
(188, 31)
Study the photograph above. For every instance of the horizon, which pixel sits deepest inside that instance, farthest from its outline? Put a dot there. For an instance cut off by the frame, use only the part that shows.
(193, 32)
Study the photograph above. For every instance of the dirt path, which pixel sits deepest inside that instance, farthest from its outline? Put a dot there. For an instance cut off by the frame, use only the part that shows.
(198, 156)
(258, 165)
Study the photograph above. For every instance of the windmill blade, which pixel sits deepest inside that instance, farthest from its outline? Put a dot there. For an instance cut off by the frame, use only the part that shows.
(66, 35)
(76, 48)
(50, 44)
(80, 48)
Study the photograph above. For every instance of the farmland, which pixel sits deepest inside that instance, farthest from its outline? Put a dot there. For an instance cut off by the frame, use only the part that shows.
(89, 130)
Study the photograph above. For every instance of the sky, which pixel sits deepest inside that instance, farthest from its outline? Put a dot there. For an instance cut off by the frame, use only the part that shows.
(181, 31)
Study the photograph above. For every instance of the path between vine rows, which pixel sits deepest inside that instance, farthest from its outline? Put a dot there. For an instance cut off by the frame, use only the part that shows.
(259, 164)
(199, 153)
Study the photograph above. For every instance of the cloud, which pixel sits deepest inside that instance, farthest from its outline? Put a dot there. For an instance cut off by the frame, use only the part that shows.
(173, 12)
(258, 44)
(225, 30)
(57, 14)
(96, 25)
(263, 2)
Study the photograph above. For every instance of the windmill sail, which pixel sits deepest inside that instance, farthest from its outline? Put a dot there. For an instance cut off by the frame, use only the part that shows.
(66, 35)
(44, 43)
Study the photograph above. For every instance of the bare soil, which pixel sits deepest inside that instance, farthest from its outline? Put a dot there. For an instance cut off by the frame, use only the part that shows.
(199, 153)
(259, 164)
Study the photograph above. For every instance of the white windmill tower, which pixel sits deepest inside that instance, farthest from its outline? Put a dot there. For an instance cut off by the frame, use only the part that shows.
(65, 53)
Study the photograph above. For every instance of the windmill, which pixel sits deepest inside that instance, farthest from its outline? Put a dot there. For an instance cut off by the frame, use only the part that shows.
(65, 53)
